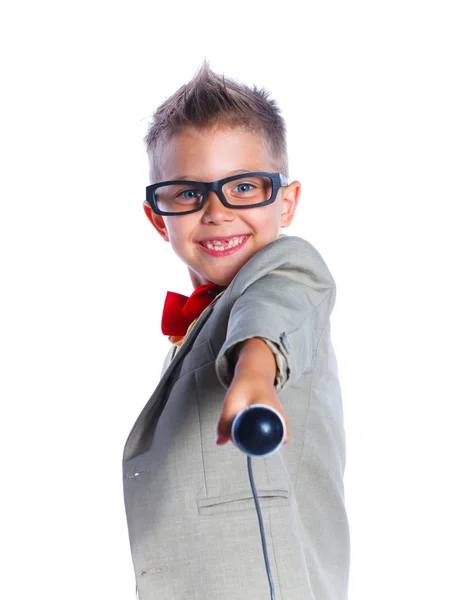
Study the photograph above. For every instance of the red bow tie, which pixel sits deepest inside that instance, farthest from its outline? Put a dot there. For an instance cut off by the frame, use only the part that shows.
(180, 311)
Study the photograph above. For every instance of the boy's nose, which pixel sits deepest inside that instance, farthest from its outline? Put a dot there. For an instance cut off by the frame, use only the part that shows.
(214, 210)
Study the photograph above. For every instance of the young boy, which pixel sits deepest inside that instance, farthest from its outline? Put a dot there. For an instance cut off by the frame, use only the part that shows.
(256, 330)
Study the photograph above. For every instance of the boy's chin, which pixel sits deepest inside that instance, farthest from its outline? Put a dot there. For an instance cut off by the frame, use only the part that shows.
(220, 279)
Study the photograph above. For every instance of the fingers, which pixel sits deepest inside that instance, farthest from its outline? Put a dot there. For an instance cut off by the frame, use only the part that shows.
(232, 406)
(222, 439)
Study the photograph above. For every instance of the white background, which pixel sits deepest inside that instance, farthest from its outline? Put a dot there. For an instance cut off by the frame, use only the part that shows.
(374, 95)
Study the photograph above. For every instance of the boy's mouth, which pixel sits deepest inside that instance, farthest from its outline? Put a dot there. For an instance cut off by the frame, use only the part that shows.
(218, 246)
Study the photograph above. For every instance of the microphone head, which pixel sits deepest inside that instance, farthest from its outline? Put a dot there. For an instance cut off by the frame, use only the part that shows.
(258, 430)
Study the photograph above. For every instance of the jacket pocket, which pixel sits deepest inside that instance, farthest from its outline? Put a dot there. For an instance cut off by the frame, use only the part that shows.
(241, 501)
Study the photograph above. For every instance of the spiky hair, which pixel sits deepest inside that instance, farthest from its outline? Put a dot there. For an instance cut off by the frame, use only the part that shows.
(210, 100)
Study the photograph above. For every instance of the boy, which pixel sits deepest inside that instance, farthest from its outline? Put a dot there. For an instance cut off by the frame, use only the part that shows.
(256, 330)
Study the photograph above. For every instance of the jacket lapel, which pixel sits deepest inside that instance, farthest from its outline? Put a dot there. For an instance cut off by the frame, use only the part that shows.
(140, 436)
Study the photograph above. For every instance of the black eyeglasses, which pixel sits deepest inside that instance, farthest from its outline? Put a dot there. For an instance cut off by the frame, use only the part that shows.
(247, 190)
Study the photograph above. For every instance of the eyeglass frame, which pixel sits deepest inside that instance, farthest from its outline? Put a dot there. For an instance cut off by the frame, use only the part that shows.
(278, 180)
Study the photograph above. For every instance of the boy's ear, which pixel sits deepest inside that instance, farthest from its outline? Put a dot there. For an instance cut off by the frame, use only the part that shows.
(156, 220)
(290, 202)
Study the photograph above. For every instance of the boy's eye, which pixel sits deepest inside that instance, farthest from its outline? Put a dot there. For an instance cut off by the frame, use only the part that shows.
(189, 194)
(255, 190)
(243, 187)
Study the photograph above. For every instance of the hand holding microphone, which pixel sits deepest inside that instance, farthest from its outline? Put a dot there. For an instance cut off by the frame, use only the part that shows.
(253, 418)
(252, 415)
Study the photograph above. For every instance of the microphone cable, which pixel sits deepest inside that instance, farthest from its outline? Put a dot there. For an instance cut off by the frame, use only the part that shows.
(261, 528)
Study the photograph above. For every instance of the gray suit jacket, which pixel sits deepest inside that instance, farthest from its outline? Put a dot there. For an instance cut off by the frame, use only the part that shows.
(192, 522)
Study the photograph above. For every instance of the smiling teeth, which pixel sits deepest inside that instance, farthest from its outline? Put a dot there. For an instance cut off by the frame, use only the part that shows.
(220, 246)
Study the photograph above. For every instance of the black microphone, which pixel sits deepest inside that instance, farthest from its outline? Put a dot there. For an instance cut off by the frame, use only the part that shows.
(258, 430)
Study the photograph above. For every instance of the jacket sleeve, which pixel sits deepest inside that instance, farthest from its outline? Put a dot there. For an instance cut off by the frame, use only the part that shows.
(288, 308)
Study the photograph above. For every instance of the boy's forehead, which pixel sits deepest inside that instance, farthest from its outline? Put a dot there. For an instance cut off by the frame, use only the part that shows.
(207, 155)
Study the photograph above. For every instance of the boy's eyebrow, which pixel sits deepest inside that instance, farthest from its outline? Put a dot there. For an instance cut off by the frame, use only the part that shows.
(237, 171)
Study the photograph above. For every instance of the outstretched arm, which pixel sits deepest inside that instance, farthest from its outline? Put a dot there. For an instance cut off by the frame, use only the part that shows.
(253, 383)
